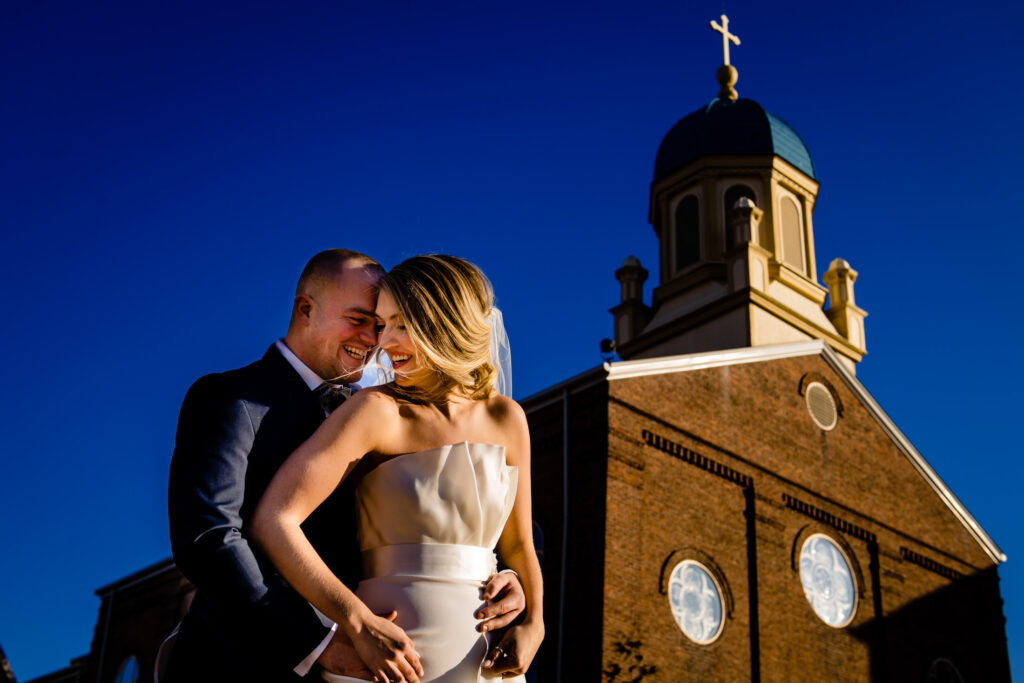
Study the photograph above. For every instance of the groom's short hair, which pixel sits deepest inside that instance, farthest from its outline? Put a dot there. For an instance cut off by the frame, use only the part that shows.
(330, 262)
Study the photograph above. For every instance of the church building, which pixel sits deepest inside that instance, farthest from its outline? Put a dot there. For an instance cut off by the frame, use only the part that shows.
(725, 501)
(728, 502)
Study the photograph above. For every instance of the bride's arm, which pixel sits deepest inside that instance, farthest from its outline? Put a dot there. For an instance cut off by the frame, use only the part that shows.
(302, 483)
(519, 643)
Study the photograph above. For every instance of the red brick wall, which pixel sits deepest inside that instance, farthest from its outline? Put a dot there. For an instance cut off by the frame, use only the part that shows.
(752, 420)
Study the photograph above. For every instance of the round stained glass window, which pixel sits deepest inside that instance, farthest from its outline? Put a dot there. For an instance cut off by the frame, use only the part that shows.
(696, 601)
(827, 580)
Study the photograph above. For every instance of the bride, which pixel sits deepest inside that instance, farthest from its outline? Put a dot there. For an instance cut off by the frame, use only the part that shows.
(443, 463)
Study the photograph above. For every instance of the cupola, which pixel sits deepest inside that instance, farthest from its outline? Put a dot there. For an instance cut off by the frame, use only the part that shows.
(731, 203)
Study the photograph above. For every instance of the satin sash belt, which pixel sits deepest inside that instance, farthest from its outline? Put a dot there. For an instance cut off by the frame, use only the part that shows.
(440, 560)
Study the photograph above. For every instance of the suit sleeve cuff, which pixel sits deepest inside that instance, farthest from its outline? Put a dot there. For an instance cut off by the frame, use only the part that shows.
(306, 664)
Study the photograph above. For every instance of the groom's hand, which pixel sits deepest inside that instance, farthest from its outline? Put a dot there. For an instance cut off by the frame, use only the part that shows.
(505, 601)
(340, 657)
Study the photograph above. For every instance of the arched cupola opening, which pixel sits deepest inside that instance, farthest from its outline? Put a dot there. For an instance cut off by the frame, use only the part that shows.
(686, 233)
(793, 233)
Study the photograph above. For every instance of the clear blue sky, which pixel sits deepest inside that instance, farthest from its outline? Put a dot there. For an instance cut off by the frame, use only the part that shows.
(167, 167)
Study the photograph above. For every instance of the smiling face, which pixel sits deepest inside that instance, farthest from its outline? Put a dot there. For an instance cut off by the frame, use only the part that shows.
(394, 339)
(333, 327)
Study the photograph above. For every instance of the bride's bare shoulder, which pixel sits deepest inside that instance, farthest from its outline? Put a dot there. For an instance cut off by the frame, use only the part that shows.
(376, 398)
(507, 414)
(504, 408)
(372, 402)
(370, 419)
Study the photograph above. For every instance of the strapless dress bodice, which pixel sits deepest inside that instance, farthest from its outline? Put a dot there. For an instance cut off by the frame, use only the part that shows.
(458, 494)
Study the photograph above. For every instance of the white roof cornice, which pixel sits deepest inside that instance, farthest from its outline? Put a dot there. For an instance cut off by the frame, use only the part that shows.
(758, 354)
(711, 359)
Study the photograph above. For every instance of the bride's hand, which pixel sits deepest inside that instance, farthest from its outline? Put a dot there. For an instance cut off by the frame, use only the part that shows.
(516, 649)
(386, 650)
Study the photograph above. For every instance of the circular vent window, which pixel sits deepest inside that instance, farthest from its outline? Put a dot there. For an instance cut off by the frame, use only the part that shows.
(821, 405)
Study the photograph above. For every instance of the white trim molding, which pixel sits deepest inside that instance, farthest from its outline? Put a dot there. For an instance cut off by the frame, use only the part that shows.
(757, 354)
(711, 359)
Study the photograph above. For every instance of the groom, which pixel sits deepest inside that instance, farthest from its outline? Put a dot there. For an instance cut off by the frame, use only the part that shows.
(235, 429)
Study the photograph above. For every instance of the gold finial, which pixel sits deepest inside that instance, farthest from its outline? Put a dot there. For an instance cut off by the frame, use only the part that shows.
(727, 77)
(727, 74)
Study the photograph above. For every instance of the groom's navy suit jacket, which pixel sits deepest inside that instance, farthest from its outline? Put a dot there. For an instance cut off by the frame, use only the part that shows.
(235, 429)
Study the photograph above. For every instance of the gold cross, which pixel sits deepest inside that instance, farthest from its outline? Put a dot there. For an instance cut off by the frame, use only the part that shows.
(726, 36)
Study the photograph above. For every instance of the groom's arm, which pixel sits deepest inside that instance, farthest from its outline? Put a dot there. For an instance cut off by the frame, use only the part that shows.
(206, 491)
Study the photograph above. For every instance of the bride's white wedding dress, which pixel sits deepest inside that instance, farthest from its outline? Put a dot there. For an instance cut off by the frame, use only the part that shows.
(428, 524)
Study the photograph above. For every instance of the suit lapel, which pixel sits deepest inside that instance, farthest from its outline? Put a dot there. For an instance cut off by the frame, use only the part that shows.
(280, 371)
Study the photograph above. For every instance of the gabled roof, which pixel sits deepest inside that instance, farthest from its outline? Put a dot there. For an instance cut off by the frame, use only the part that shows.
(758, 354)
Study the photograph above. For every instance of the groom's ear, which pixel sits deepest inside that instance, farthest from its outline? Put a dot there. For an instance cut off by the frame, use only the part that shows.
(303, 306)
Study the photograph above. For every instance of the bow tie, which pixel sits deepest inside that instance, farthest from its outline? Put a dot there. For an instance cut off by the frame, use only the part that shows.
(332, 395)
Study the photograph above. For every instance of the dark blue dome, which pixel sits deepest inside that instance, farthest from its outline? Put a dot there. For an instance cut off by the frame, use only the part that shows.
(730, 127)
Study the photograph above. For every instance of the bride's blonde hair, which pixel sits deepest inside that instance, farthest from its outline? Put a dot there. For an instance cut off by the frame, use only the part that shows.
(445, 302)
